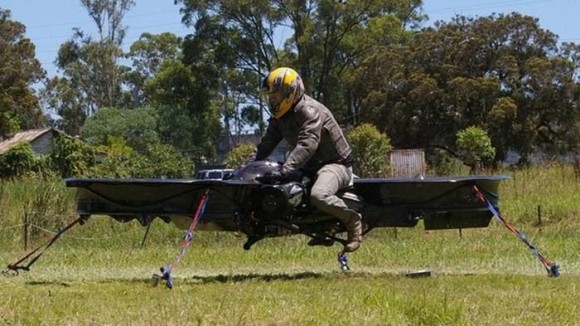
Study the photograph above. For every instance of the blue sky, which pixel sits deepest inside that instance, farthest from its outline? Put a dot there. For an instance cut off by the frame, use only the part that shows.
(50, 23)
(558, 16)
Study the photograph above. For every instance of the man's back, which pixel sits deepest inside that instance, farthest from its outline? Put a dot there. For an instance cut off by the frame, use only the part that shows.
(312, 126)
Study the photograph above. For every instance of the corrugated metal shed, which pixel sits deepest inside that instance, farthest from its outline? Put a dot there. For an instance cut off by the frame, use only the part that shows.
(41, 140)
(408, 163)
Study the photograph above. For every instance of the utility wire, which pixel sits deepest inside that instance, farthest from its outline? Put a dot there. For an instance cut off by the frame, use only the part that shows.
(487, 5)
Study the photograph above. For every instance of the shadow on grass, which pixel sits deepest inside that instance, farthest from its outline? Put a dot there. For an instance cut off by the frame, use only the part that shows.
(64, 284)
(220, 278)
(228, 278)
(237, 278)
(269, 277)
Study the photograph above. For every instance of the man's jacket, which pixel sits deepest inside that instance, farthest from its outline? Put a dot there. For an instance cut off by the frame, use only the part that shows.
(313, 134)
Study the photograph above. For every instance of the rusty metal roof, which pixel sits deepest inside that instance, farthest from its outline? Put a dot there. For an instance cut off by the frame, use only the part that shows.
(24, 136)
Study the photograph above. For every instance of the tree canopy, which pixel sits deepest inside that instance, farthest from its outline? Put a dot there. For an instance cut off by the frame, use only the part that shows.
(19, 71)
(371, 62)
(502, 73)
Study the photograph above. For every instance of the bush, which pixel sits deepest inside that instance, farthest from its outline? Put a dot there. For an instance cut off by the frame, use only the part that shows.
(71, 157)
(370, 150)
(165, 161)
(20, 160)
(474, 146)
(157, 161)
(239, 155)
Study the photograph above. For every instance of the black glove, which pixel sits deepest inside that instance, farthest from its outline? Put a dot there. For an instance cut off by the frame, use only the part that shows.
(272, 177)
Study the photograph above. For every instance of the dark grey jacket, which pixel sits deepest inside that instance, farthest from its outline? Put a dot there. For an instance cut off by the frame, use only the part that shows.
(312, 132)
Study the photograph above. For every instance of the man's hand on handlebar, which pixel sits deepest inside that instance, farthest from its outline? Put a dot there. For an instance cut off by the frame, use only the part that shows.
(273, 177)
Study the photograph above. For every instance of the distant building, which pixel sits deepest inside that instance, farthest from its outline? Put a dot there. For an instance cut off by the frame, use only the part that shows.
(41, 140)
(408, 163)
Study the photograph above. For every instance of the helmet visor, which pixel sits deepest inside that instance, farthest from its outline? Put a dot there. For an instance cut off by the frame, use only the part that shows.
(273, 99)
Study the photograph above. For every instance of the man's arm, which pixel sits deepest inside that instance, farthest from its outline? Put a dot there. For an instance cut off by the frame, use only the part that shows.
(308, 139)
(269, 141)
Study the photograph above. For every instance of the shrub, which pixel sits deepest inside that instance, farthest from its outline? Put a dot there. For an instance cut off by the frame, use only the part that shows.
(239, 155)
(71, 157)
(371, 151)
(158, 161)
(474, 146)
(18, 161)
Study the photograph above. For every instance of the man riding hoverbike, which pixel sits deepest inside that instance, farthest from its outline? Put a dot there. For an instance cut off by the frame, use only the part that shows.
(318, 144)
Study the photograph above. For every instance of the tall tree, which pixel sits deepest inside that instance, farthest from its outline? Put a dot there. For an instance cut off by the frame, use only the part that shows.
(187, 118)
(238, 40)
(19, 71)
(327, 38)
(90, 66)
(147, 55)
(502, 73)
(331, 38)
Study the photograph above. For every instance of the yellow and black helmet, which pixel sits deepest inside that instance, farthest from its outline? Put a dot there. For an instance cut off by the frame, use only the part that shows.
(283, 87)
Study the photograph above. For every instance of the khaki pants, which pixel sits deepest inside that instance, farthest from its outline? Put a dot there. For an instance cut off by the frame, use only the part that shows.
(329, 180)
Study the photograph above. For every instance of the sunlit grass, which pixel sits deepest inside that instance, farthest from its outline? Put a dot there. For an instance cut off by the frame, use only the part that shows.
(302, 298)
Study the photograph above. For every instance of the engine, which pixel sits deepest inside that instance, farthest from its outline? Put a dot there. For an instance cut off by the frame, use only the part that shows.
(277, 201)
(272, 201)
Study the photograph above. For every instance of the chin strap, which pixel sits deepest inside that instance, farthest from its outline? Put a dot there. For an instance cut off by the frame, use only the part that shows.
(166, 271)
(551, 267)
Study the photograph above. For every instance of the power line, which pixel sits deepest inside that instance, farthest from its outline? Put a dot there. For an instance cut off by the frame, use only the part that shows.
(488, 5)
(74, 23)
(130, 29)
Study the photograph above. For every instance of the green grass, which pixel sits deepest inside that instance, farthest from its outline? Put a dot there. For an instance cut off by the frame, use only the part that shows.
(98, 273)
(304, 298)
(485, 277)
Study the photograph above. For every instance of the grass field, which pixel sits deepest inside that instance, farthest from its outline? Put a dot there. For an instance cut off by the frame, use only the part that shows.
(99, 274)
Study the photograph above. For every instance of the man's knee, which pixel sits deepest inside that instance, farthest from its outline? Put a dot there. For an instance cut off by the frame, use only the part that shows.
(318, 198)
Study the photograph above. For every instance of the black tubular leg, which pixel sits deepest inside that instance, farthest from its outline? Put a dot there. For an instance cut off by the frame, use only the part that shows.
(16, 266)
